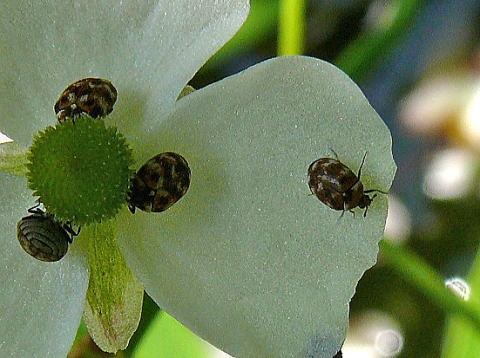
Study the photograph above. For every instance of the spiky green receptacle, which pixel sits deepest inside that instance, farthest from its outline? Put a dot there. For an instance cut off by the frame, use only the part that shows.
(80, 171)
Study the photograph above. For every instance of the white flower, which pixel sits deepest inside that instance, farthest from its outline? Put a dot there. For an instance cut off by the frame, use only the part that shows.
(247, 259)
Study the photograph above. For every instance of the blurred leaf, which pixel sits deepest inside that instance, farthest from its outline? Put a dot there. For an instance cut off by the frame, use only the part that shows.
(260, 25)
(149, 312)
(363, 54)
(462, 338)
(417, 272)
(166, 338)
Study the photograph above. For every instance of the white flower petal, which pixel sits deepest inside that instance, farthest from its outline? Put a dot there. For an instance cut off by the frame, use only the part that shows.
(248, 259)
(41, 303)
(148, 49)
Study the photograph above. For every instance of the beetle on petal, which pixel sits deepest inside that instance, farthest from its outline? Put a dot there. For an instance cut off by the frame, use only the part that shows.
(335, 185)
(43, 237)
(159, 183)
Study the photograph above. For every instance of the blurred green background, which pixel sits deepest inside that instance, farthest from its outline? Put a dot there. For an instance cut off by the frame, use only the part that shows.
(418, 63)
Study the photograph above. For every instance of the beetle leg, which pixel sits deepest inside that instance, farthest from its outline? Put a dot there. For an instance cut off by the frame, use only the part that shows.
(365, 212)
(343, 213)
(366, 207)
(68, 226)
(35, 209)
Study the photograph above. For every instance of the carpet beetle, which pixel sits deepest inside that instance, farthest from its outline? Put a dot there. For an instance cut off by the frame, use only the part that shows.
(43, 237)
(335, 185)
(159, 183)
(92, 96)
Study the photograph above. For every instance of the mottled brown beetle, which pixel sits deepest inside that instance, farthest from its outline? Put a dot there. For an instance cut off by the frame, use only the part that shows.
(92, 96)
(159, 183)
(43, 237)
(335, 185)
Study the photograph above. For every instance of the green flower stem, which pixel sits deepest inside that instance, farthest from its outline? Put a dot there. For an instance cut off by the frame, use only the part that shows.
(418, 273)
(361, 56)
(291, 28)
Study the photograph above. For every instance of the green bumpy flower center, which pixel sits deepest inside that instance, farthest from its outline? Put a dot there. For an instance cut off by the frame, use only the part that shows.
(80, 170)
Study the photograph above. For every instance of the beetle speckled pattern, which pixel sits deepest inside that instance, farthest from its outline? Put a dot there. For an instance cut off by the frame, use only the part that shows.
(159, 183)
(92, 96)
(44, 238)
(335, 185)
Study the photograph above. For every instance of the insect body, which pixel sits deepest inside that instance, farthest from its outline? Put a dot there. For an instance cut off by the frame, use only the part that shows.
(92, 96)
(335, 185)
(44, 238)
(159, 183)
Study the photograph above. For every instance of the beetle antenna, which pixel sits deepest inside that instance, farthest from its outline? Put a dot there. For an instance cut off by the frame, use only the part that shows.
(334, 153)
(361, 165)
(375, 190)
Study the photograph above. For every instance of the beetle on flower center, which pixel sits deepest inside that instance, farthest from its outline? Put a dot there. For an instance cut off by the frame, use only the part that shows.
(92, 96)
(335, 185)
